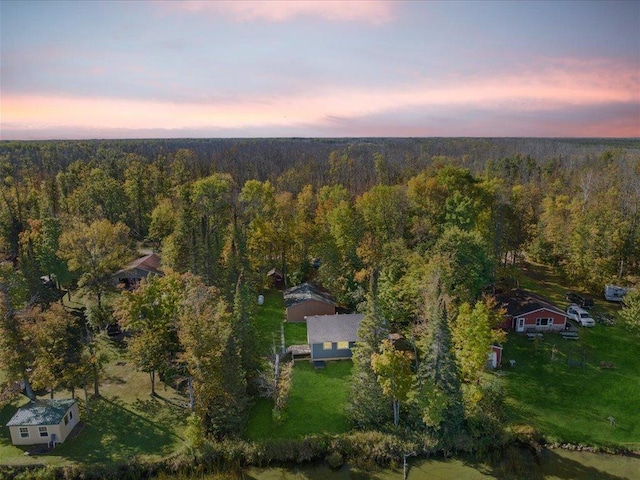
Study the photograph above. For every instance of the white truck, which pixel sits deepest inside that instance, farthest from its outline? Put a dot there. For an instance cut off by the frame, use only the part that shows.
(613, 293)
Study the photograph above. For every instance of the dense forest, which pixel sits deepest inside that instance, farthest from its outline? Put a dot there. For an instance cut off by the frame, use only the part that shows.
(411, 232)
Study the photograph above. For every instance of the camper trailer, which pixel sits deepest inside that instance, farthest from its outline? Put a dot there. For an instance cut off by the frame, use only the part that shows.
(614, 293)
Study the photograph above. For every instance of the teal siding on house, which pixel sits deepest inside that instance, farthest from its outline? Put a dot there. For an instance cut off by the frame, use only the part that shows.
(318, 351)
(332, 329)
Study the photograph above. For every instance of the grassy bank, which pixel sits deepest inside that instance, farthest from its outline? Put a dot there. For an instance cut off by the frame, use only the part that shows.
(557, 385)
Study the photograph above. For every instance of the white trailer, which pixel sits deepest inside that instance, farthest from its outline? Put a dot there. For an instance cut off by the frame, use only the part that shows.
(613, 293)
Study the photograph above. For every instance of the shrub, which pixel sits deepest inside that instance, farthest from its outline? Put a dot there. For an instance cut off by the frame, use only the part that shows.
(335, 460)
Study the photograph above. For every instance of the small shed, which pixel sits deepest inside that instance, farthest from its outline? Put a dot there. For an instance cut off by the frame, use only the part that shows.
(526, 311)
(44, 421)
(495, 356)
(132, 274)
(331, 337)
(306, 300)
(277, 279)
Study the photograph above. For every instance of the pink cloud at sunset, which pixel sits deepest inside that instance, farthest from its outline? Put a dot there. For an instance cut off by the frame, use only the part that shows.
(551, 89)
(369, 11)
(329, 68)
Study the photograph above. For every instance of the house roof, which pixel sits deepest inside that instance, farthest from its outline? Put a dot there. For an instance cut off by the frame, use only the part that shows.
(520, 302)
(333, 328)
(305, 292)
(274, 272)
(149, 263)
(41, 412)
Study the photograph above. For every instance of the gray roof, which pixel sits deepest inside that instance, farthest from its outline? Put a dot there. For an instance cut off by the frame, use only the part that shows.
(333, 328)
(41, 412)
(520, 302)
(304, 292)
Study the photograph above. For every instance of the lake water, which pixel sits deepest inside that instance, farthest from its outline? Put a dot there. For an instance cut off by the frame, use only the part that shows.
(553, 465)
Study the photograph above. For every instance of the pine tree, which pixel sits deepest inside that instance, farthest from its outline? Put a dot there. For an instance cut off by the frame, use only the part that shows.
(369, 408)
(438, 388)
(213, 361)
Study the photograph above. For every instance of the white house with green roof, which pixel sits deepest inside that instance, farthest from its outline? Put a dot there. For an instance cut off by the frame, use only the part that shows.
(44, 421)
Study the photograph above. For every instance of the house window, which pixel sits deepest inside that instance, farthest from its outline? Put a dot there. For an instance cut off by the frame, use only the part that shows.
(66, 420)
(24, 432)
(43, 431)
(544, 322)
(327, 346)
(343, 345)
(70, 415)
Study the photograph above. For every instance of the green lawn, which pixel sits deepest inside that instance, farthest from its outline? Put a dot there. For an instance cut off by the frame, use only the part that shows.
(270, 319)
(124, 423)
(316, 405)
(571, 403)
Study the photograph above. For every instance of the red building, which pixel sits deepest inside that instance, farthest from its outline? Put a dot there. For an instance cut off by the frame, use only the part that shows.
(527, 312)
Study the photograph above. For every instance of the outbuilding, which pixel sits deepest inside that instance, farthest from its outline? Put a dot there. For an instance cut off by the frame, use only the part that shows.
(495, 356)
(44, 421)
(130, 276)
(306, 300)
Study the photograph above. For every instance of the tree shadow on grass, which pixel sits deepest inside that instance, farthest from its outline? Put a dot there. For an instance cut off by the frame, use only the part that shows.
(167, 413)
(521, 463)
(114, 433)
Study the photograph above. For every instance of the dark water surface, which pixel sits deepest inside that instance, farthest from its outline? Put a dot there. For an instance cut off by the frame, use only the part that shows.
(552, 465)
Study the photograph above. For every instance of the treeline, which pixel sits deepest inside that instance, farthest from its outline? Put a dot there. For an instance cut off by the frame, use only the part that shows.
(411, 232)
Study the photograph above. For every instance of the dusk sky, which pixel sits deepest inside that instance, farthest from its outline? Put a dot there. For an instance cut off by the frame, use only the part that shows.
(141, 69)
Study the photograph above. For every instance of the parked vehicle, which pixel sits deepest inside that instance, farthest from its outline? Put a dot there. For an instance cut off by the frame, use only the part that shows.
(613, 293)
(580, 299)
(580, 316)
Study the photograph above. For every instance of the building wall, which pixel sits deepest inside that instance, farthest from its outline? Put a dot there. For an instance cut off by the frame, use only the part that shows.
(559, 321)
(296, 313)
(318, 352)
(65, 429)
(61, 430)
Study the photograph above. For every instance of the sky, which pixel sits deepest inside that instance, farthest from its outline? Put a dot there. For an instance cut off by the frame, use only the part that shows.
(166, 69)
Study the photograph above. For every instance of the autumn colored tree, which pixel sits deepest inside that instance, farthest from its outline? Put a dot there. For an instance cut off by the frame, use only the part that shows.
(393, 370)
(94, 252)
(58, 349)
(473, 332)
(16, 343)
(150, 314)
(630, 312)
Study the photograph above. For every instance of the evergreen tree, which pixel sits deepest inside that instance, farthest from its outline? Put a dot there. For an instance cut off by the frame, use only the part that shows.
(243, 332)
(369, 408)
(213, 361)
(438, 388)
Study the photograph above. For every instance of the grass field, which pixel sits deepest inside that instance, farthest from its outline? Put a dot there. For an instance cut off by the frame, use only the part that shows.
(124, 423)
(572, 403)
(316, 405)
